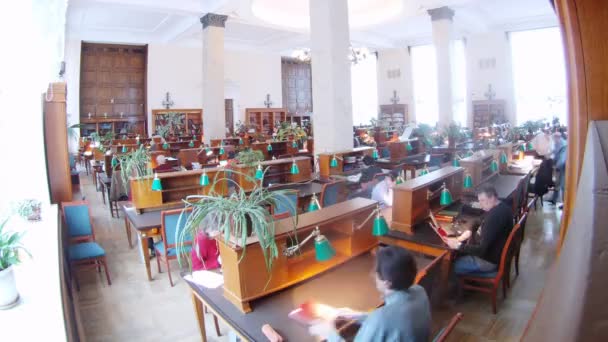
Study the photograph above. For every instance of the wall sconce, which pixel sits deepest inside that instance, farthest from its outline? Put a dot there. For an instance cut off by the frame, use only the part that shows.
(323, 249)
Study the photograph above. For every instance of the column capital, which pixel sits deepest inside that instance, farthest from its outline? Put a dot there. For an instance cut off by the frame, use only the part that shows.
(212, 19)
(441, 13)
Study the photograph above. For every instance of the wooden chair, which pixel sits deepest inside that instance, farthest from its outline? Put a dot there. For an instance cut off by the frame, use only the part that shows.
(443, 334)
(167, 248)
(83, 251)
(488, 282)
(332, 193)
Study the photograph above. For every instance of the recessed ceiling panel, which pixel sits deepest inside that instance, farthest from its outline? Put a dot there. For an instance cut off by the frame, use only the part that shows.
(122, 19)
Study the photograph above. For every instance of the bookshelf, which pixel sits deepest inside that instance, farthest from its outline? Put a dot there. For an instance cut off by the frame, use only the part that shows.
(190, 121)
(264, 119)
(488, 112)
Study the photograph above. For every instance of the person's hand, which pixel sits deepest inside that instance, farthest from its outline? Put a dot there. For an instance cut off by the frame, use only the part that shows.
(271, 334)
(464, 236)
(452, 243)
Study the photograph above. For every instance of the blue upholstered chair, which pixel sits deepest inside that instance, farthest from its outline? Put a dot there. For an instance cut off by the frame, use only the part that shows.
(167, 248)
(83, 250)
(385, 153)
(332, 193)
(286, 204)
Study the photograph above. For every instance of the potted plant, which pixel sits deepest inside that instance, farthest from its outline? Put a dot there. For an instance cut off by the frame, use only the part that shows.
(134, 164)
(10, 244)
(287, 131)
(424, 133)
(249, 157)
(454, 133)
(29, 209)
(235, 218)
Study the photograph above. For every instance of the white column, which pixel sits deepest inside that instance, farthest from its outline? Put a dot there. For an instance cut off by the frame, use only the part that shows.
(331, 93)
(214, 118)
(441, 19)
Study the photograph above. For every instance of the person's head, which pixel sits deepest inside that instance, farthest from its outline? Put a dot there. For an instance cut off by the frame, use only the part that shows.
(488, 197)
(395, 269)
(391, 178)
(368, 161)
(160, 160)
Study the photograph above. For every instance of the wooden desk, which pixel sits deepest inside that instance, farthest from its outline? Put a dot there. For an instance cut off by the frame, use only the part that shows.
(279, 171)
(146, 225)
(329, 288)
(410, 163)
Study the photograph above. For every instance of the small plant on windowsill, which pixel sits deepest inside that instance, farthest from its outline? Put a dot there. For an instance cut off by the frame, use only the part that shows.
(10, 245)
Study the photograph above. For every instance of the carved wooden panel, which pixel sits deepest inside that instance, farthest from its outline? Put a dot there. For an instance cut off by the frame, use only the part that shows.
(297, 86)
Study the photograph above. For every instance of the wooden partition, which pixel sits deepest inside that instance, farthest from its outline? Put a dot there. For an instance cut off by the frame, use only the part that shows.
(479, 167)
(192, 120)
(345, 166)
(398, 149)
(278, 172)
(279, 148)
(413, 199)
(245, 276)
(226, 141)
(175, 187)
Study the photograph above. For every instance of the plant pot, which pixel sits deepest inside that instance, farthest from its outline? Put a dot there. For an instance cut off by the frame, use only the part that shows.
(9, 297)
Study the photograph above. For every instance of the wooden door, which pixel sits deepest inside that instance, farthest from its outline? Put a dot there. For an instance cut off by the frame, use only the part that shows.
(297, 86)
(229, 107)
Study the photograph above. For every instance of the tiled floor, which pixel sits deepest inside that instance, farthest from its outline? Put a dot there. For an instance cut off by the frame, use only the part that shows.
(134, 309)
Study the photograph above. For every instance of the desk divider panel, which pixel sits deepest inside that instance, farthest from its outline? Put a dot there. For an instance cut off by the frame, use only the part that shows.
(342, 169)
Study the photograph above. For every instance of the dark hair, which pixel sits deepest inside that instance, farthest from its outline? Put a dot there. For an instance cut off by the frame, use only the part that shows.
(488, 190)
(396, 265)
(393, 174)
(367, 160)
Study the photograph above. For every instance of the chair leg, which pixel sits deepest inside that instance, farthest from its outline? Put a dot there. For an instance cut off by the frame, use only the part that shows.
(105, 266)
(493, 294)
(505, 285)
(217, 326)
(76, 281)
(158, 261)
(169, 271)
(98, 262)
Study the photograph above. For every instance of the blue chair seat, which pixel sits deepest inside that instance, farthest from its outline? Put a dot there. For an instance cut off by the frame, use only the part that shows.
(85, 250)
(172, 251)
(491, 274)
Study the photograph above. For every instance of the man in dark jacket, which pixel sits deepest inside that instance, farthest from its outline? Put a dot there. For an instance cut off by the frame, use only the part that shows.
(482, 251)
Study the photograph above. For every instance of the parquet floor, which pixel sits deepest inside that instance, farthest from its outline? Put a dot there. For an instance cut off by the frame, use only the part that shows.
(134, 309)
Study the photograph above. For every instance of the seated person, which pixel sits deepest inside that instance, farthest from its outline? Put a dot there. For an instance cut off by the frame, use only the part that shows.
(406, 314)
(205, 252)
(370, 166)
(482, 253)
(367, 183)
(383, 191)
(162, 165)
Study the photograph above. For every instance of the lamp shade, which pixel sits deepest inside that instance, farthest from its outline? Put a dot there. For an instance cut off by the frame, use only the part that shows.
(156, 185)
(469, 153)
(165, 146)
(494, 166)
(468, 181)
(269, 147)
(314, 204)
(294, 168)
(222, 151)
(380, 226)
(114, 162)
(424, 171)
(409, 146)
(204, 179)
(259, 173)
(294, 144)
(522, 147)
(446, 196)
(334, 162)
(240, 141)
(529, 146)
(503, 158)
(191, 144)
(323, 249)
(375, 154)
(124, 149)
(455, 162)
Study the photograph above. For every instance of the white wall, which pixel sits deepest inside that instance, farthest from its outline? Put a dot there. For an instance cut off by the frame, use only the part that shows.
(72, 76)
(249, 76)
(489, 62)
(491, 50)
(398, 63)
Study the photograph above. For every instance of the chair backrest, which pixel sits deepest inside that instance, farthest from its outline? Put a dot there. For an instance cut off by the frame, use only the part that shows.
(72, 161)
(331, 193)
(523, 197)
(287, 202)
(436, 159)
(507, 251)
(447, 330)
(169, 229)
(428, 277)
(77, 217)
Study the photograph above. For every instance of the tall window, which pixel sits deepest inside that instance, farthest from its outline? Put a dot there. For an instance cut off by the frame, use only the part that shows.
(364, 87)
(424, 74)
(539, 74)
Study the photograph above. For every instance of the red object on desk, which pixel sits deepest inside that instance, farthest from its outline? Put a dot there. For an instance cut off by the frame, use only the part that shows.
(208, 252)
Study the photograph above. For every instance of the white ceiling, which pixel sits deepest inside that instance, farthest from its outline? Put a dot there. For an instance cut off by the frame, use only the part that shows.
(178, 22)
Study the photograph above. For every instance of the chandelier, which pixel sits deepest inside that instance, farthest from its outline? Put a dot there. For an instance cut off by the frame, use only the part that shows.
(355, 55)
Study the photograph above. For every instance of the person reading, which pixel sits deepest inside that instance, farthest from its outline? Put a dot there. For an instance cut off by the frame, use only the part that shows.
(406, 314)
(482, 251)
(383, 191)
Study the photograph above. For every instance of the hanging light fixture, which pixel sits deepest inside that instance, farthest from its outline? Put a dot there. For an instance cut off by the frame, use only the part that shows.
(409, 146)
(156, 185)
(204, 178)
(294, 168)
(191, 144)
(240, 141)
(165, 145)
(124, 149)
(446, 196)
(259, 173)
(222, 151)
(456, 161)
(468, 181)
(269, 147)
(314, 203)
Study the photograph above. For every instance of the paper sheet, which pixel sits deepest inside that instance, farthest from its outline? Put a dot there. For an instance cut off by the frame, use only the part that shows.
(204, 278)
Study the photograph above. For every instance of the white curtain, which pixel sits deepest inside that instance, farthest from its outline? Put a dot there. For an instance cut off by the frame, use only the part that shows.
(364, 87)
(33, 34)
(539, 75)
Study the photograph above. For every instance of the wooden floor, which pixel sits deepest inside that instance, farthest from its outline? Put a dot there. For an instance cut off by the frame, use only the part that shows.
(134, 309)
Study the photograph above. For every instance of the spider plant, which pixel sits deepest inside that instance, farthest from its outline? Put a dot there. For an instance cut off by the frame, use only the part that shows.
(10, 244)
(234, 217)
(249, 157)
(134, 164)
